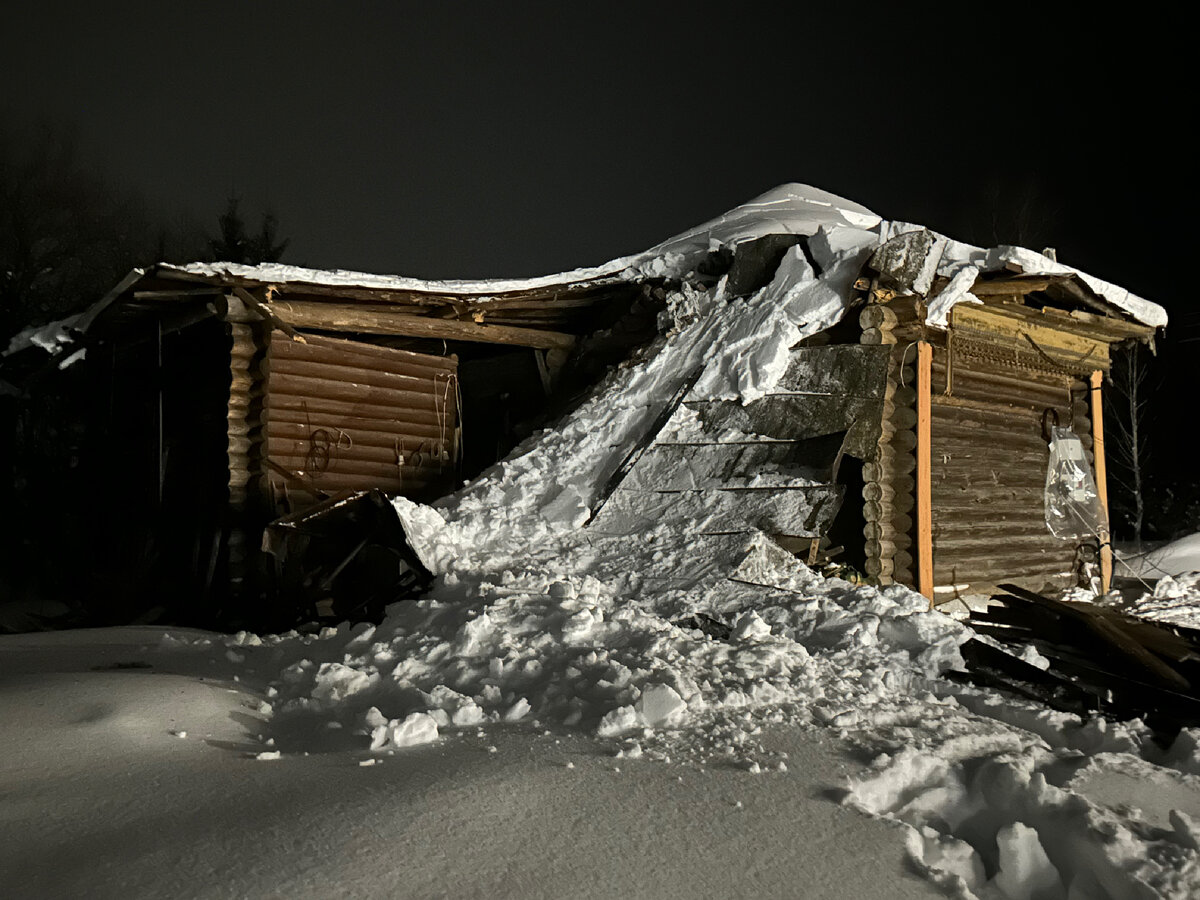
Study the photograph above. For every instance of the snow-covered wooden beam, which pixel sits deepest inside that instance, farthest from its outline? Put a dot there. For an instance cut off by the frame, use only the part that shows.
(378, 319)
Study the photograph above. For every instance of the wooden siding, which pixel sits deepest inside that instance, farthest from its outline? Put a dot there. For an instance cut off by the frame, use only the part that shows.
(348, 415)
(994, 377)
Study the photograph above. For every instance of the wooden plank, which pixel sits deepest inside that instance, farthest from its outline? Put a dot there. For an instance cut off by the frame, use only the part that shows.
(285, 384)
(429, 380)
(795, 417)
(289, 425)
(845, 370)
(322, 348)
(1106, 556)
(380, 319)
(924, 484)
(690, 467)
(798, 512)
(298, 408)
(267, 313)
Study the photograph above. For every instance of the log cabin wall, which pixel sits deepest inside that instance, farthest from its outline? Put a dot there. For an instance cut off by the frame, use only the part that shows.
(343, 414)
(997, 377)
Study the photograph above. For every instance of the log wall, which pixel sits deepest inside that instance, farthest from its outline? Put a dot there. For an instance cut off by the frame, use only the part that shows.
(989, 399)
(343, 414)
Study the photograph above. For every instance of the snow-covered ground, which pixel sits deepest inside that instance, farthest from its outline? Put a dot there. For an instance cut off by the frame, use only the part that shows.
(643, 704)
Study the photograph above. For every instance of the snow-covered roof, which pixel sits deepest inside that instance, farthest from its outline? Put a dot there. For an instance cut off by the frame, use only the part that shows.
(787, 209)
(841, 230)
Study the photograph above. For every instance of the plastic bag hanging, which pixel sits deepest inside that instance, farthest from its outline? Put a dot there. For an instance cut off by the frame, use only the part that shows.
(1072, 502)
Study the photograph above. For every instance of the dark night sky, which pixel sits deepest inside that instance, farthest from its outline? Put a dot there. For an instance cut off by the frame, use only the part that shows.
(517, 139)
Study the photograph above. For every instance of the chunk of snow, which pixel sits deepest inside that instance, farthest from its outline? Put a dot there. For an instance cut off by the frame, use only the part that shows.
(619, 721)
(957, 291)
(750, 627)
(417, 728)
(660, 706)
(1026, 872)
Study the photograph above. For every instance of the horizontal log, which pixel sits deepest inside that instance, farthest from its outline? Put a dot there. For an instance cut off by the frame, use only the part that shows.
(876, 337)
(898, 485)
(298, 386)
(962, 521)
(977, 432)
(907, 310)
(970, 455)
(413, 380)
(1013, 478)
(900, 417)
(369, 432)
(1027, 556)
(952, 405)
(423, 454)
(877, 315)
(1009, 418)
(897, 504)
(967, 542)
(900, 395)
(280, 407)
(315, 467)
(320, 348)
(888, 468)
(380, 319)
(984, 498)
(244, 443)
(329, 483)
(964, 387)
(995, 574)
(878, 568)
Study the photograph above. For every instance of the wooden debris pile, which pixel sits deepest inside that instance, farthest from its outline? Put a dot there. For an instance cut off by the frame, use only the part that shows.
(1100, 660)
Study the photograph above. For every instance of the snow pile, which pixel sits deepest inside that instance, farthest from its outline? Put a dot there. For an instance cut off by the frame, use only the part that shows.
(53, 338)
(994, 811)
(571, 650)
(1174, 601)
(1174, 570)
(1180, 557)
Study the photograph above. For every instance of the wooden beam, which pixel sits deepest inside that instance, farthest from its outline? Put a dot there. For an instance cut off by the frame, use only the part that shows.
(1101, 480)
(924, 480)
(376, 319)
(266, 312)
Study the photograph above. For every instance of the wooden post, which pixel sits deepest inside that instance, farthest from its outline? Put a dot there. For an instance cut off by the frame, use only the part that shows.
(924, 472)
(1106, 561)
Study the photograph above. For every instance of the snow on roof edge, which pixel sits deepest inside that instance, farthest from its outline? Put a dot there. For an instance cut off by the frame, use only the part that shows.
(790, 208)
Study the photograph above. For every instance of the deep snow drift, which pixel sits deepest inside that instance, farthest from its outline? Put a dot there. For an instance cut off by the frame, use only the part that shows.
(668, 639)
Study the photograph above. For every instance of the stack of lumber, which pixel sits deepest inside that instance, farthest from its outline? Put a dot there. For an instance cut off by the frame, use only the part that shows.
(1101, 660)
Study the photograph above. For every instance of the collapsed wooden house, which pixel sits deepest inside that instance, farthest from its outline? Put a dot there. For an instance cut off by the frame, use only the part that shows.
(914, 443)
(224, 397)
